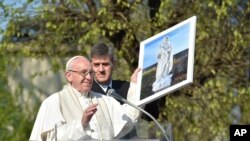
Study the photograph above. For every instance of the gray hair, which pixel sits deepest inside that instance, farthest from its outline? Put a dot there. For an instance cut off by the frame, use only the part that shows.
(102, 50)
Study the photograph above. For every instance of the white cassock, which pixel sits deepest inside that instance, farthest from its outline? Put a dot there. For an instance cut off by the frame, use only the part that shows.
(59, 117)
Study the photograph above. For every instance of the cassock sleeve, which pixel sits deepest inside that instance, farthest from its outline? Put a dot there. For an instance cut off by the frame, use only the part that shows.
(126, 116)
(122, 123)
(134, 98)
(50, 124)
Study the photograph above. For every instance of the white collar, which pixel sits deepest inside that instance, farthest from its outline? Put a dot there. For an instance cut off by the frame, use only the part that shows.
(105, 87)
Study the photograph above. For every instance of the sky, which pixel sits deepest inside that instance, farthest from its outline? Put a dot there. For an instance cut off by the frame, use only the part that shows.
(3, 20)
(179, 39)
(15, 4)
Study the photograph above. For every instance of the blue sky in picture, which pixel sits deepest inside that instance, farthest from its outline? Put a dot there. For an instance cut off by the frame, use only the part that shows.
(179, 39)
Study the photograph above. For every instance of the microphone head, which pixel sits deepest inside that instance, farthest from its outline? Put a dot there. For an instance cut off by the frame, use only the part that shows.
(110, 92)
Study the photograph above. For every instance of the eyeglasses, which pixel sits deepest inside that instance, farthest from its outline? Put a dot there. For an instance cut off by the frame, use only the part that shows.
(84, 73)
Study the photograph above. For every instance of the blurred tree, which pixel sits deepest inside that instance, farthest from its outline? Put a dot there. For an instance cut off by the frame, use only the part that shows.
(203, 110)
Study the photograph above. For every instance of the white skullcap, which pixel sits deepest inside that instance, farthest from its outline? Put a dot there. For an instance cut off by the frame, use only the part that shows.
(70, 60)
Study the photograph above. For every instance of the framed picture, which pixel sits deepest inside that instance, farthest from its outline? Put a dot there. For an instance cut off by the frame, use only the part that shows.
(167, 61)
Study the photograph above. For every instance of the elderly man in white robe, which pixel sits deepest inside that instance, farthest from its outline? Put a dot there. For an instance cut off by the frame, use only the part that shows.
(76, 113)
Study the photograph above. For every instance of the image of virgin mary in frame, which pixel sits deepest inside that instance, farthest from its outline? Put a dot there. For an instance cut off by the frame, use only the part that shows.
(167, 61)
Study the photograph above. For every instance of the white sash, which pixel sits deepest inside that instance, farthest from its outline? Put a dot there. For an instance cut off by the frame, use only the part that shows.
(71, 110)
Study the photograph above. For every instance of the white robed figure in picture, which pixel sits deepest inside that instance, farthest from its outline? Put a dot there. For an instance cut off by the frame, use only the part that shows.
(164, 66)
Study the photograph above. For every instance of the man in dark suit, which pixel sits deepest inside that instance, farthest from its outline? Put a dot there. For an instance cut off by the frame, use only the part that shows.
(103, 63)
(121, 87)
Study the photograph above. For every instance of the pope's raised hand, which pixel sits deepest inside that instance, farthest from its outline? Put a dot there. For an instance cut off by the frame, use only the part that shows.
(88, 113)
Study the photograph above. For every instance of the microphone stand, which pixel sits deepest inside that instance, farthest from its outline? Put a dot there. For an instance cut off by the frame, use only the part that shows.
(113, 94)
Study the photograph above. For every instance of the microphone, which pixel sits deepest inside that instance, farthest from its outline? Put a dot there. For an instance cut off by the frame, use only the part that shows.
(112, 93)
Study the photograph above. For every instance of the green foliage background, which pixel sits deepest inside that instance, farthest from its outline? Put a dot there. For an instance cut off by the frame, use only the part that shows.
(58, 29)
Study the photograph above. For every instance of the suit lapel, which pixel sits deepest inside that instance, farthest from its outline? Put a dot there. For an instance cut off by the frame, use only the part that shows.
(97, 88)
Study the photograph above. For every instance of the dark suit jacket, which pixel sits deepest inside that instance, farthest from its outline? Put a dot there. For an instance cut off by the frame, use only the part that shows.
(121, 88)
